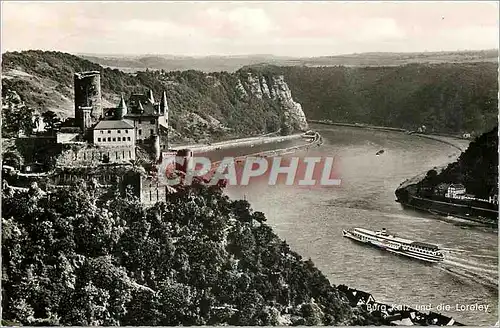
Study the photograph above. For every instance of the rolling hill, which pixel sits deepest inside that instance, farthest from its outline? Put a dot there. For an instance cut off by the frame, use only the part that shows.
(130, 63)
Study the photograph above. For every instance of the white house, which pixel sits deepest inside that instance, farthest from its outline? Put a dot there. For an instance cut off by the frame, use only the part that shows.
(455, 191)
(114, 133)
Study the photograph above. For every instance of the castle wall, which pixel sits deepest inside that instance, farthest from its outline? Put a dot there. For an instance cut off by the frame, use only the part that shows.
(92, 156)
(66, 137)
(146, 128)
(152, 192)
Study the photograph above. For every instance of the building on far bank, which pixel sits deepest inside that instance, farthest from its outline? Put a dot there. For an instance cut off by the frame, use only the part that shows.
(455, 191)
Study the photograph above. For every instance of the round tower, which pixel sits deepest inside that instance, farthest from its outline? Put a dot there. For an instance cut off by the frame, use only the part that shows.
(88, 94)
(156, 147)
(187, 157)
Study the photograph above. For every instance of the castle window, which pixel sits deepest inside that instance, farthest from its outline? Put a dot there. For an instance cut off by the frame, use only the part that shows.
(140, 131)
(109, 131)
(102, 132)
(126, 131)
(139, 121)
(119, 139)
(152, 122)
(109, 138)
(114, 139)
(119, 131)
(128, 138)
(98, 139)
(152, 131)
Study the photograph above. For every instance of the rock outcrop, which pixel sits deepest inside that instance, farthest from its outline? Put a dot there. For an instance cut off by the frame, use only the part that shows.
(292, 109)
(264, 87)
(277, 90)
(241, 90)
(255, 87)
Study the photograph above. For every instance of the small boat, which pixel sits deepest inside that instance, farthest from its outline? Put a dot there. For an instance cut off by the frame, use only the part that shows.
(380, 152)
(409, 248)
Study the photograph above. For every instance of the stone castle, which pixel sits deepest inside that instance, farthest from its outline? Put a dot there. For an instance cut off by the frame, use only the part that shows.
(115, 132)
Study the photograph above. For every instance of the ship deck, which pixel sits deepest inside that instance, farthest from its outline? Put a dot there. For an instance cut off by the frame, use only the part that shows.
(396, 239)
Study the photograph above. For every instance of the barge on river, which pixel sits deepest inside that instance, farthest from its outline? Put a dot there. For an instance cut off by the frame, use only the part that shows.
(381, 239)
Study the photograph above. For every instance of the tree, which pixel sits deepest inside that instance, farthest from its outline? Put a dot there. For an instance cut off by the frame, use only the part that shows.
(286, 128)
(13, 159)
(52, 122)
(16, 119)
(77, 256)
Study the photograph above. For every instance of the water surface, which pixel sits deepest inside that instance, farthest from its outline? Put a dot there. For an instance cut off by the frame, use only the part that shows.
(311, 221)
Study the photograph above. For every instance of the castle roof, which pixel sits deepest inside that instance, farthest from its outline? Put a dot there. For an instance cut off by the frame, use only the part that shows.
(163, 102)
(122, 103)
(113, 124)
(142, 104)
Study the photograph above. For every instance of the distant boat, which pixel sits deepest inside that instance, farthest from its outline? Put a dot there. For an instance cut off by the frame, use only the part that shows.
(380, 152)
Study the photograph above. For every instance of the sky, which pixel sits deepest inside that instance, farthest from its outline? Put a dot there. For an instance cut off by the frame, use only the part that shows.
(280, 28)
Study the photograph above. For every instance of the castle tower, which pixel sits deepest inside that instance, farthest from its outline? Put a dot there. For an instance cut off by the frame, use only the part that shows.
(88, 94)
(156, 147)
(121, 110)
(187, 159)
(86, 120)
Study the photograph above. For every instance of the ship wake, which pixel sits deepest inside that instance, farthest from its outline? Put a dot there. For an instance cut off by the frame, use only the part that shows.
(465, 266)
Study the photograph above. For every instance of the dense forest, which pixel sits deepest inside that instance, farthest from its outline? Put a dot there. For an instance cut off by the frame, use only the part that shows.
(79, 257)
(476, 169)
(446, 98)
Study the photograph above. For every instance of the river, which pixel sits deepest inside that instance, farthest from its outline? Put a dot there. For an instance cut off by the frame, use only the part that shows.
(311, 220)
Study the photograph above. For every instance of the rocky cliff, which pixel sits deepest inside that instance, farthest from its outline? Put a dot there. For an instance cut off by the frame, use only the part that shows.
(275, 88)
(203, 107)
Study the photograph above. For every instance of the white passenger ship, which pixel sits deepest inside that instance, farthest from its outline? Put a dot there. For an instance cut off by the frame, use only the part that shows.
(414, 249)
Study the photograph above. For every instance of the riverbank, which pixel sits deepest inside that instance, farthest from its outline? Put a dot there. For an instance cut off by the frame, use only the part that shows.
(476, 169)
(315, 142)
(237, 143)
(358, 125)
(444, 138)
(483, 216)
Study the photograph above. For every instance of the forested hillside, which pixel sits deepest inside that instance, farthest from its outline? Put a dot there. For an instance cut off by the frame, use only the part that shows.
(74, 258)
(476, 168)
(446, 98)
(201, 105)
